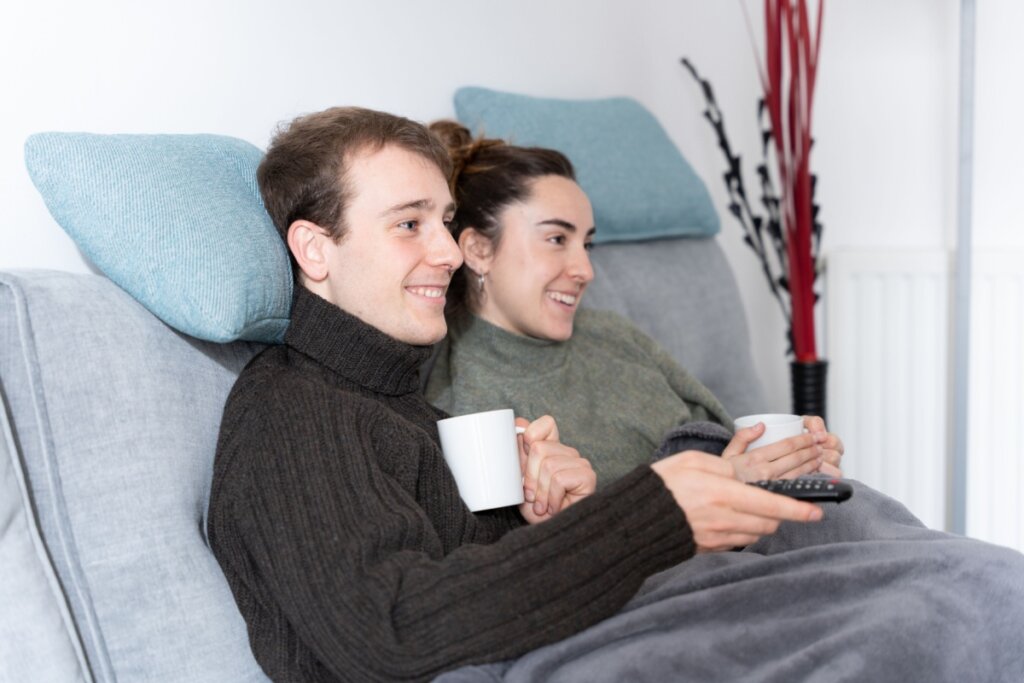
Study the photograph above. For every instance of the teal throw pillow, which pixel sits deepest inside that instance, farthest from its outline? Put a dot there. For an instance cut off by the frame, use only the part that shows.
(640, 185)
(174, 220)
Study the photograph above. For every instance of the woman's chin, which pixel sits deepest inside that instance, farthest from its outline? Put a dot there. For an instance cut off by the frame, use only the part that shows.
(558, 333)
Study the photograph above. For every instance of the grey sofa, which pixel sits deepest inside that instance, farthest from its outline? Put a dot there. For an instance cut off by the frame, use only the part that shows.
(108, 433)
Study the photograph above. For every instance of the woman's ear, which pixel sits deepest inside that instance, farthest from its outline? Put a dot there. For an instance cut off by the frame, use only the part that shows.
(477, 250)
(306, 242)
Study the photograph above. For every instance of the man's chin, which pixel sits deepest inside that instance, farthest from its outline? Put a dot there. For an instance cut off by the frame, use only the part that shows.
(426, 335)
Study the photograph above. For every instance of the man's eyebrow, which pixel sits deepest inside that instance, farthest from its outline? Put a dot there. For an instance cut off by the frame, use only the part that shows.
(565, 224)
(419, 204)
(422, 204)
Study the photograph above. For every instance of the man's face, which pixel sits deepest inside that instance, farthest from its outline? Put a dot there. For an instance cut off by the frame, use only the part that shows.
(393, 266)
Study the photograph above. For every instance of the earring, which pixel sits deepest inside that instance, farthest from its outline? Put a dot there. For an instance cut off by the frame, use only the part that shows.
(480, 281)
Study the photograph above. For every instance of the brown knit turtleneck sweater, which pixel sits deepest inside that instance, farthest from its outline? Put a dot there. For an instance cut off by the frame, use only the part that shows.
(341, 532)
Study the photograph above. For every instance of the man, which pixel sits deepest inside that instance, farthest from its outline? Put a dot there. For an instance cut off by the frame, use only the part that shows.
(332, 513)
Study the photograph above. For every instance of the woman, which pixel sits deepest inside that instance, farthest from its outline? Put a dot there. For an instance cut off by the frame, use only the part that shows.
(517, 337)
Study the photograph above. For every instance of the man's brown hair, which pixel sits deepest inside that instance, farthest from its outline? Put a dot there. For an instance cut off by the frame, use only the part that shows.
(302, 176)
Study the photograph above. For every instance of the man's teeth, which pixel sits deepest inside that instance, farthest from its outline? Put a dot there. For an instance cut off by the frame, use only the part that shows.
(430, 292)
(564, 298)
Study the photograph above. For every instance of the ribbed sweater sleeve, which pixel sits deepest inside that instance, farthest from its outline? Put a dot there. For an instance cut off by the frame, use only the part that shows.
(363, 575)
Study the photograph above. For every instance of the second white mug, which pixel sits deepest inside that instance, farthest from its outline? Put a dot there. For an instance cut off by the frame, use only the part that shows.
(777, 426)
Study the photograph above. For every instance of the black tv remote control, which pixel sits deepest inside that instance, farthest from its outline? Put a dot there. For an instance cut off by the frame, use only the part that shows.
(813, 489)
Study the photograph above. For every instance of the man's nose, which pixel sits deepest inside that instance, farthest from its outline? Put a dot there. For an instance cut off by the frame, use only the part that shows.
(444, 251)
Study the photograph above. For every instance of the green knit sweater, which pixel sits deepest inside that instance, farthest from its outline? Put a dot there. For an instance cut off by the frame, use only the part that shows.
(342, 536)
(612, 390)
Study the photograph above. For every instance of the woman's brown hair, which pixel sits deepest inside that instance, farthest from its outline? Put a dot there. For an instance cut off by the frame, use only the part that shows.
(487, 176)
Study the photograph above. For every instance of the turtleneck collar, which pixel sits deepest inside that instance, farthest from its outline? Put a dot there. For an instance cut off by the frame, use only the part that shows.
(352, 348)
(505, 352)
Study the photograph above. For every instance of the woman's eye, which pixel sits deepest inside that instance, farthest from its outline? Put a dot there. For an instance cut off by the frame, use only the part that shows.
(557, 239)
(408, 225)
(589, 246)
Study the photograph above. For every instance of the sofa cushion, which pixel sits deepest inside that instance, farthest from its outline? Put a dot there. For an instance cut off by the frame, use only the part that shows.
(38, 641)
(177, 221)
(116, 416)
(641, 187)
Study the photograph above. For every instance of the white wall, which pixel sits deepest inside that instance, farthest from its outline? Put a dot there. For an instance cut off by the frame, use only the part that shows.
(885, 119)
(193, 65)
(884, 123)
(999, 126)
(995, 469)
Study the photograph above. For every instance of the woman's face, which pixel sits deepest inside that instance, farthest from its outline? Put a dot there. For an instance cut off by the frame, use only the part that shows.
(534, 280)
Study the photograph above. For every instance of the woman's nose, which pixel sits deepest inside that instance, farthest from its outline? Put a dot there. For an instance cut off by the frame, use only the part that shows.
(581, 268)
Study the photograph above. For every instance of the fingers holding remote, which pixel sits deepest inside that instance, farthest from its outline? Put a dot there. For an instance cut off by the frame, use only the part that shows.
(723, 512)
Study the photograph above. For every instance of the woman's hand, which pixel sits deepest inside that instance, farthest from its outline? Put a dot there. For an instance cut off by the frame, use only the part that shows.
(816, 451)
(785, 459)
(832, 446)
(554, 475)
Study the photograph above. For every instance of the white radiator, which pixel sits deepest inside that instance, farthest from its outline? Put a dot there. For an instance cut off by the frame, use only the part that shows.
(995, 464)
(888, 325)
(888, 332)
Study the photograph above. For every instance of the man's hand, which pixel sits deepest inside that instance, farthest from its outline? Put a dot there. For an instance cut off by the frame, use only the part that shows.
(554, 475)
(722, 512)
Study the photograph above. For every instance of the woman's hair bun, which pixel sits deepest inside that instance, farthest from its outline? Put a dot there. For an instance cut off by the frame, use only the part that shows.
(462, 147)
(453, 134)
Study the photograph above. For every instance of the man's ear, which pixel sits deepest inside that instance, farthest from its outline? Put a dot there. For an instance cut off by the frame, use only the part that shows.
(306, 241)
(477, 250)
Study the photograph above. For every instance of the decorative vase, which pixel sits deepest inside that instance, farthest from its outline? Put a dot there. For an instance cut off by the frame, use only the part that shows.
(809, 384)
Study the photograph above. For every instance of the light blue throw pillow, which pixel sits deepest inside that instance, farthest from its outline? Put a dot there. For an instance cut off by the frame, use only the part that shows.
(640, 185)
(174, 220)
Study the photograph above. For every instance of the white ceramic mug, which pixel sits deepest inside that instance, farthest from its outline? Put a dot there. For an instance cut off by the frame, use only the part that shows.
(483, 455)
(777, 427)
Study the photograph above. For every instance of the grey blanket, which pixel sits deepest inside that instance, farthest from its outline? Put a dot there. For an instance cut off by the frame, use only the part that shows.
(868, 594)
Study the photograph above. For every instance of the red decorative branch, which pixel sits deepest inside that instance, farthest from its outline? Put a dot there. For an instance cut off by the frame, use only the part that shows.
(790, 46)
(790, 223)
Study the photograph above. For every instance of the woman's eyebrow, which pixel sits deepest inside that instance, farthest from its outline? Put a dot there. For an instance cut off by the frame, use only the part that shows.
(560, 223)
(567, 225)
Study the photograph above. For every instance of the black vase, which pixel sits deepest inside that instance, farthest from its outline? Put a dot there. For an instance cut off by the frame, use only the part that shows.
(809, 385)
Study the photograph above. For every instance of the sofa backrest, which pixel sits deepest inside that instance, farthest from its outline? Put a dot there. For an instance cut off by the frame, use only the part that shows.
(115, 418)
(38, 638)
(681, 292)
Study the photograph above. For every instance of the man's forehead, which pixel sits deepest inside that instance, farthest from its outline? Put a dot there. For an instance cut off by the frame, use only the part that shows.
(389, 153)
(391, 177)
